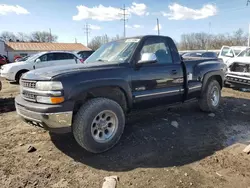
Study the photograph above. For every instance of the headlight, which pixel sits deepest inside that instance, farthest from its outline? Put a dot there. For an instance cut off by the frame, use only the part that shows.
(49, 86)
(49, 100)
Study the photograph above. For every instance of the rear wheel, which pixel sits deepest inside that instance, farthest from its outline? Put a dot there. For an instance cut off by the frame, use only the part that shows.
(210, 97)
(98, 125)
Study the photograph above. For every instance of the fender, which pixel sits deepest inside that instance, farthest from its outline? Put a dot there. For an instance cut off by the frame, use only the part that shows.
(79, 91)
(208, 75)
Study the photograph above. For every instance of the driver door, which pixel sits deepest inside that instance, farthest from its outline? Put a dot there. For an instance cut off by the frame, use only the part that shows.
(160, 82)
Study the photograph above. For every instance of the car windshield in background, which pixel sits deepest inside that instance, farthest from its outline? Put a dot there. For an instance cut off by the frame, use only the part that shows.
(245, 53)
(34, 57)
(114, 52)
(236, 52)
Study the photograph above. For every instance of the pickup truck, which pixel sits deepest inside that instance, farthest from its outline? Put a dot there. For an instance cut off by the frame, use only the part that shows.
(92, 99)
(238, 72)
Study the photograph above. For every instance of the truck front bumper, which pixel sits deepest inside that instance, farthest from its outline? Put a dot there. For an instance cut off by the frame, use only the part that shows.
(238, 80)
(55, 118)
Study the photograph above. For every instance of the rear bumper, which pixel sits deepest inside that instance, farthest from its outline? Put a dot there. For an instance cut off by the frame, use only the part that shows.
(55, 118)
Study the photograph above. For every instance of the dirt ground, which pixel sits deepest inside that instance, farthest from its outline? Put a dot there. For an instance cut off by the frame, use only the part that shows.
(202, 152)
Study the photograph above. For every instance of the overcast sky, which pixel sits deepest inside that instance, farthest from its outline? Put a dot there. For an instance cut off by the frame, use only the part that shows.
(67, 18)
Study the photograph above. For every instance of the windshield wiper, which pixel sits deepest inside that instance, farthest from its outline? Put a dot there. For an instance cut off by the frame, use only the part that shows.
(100, 60)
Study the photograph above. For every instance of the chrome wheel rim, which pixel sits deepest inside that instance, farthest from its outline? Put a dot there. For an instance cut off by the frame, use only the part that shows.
(215, 96)
(104, 126)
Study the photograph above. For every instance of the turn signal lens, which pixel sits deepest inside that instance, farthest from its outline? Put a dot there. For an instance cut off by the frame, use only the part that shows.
(56, 100)
(49, 100)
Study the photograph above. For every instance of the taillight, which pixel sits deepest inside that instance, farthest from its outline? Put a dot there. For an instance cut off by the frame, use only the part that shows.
(82, 61)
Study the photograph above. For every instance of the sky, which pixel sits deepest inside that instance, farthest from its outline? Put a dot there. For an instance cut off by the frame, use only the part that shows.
(67, 19)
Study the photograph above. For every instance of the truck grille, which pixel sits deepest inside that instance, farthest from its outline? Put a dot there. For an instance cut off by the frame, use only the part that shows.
(239, 80)
(28, 84)
(27, 95)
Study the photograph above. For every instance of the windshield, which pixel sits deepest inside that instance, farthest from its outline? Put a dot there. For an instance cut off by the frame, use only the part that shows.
(236, 52)
(114, 52)
(245, 53)
(33, 57)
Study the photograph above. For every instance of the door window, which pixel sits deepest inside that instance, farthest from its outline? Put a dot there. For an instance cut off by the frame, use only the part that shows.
(63, 56)
(43, 58)
(158, 47)
(225, 51)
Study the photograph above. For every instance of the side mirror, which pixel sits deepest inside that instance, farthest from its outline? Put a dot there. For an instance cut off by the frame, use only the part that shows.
(38, 60)
(148, 58)
(229, 55)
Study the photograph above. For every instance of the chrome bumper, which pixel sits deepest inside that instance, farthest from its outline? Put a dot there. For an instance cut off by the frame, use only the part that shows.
(46, 120)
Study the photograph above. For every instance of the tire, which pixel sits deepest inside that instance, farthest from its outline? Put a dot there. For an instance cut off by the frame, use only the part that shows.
(84, 127)
(206, 102)
(18, 76)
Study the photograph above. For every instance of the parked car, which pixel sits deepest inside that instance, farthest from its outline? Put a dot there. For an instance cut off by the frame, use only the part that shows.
(228, 52)
(238, 74)
(91, 100)
(16, 57)
(85, 54)
(6, 59)
(191, 55)
(3, 60)
(14, 71)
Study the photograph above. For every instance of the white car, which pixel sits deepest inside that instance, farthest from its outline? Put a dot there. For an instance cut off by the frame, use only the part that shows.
(242, 58)
(228, 52)
(14, 71)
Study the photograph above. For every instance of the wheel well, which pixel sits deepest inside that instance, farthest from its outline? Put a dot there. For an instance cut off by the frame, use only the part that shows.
(20, 72)
(218, 78)
(114, 93)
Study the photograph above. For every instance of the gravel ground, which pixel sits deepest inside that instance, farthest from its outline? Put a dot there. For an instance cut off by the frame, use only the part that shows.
(200, 150)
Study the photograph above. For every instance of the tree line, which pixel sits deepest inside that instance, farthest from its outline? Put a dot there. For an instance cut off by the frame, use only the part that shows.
(36, 36)
(203, 41)
(191, 41)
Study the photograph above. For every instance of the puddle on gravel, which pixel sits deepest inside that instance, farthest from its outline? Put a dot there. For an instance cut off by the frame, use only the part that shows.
(237, 134)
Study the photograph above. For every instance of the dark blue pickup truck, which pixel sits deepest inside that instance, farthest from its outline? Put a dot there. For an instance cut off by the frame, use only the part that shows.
(92, 99)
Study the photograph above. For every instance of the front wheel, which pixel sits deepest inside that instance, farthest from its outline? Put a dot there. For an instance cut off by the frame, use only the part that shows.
(210, 97)
(98, 125)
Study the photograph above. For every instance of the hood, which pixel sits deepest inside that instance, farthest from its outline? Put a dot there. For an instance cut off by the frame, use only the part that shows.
(15, 64)
(245, 60)
(50, 72)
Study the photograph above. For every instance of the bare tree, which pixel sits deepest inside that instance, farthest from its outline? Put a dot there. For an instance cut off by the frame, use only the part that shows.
(42, 36)
(97, 41)
(22, 37)
(203, 41)
(8, 36)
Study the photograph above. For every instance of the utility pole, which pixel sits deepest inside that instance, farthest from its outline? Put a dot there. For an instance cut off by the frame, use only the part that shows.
(209, 32)
(158, 26)
(124, 19)
(248, 35)
(87, 32)
(50, 36)
(75, 40)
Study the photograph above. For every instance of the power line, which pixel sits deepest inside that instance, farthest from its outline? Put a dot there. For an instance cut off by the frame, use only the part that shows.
(124, 19)
(87, 32)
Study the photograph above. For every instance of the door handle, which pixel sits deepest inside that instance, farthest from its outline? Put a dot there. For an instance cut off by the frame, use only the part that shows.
(174, 71)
